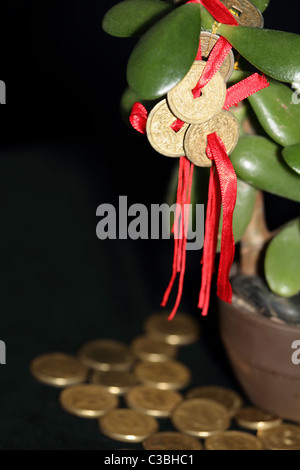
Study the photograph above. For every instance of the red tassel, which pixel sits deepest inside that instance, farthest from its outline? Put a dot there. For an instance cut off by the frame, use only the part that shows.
(185, 178)
(210, 240)
(176, 233)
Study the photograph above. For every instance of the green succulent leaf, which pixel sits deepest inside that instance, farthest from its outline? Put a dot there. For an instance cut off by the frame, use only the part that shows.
(243, 211)
(207, 20)
(261, 4)
(277, 114)
(291, 155)
(282, 261)
(237, 76)
(275, 53)
(133, 17)
(165, 53)
(246, 118)
(258, 161)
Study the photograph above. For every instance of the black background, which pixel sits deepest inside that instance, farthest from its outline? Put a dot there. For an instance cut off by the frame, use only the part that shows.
(64, 149)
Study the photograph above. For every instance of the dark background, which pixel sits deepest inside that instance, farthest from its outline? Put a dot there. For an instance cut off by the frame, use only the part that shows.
(64, 149)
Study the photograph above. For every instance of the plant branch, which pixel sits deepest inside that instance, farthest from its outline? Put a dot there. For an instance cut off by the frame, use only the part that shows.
(254, 239)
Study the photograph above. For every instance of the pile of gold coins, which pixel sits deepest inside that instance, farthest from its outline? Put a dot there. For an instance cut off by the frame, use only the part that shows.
(130, 388)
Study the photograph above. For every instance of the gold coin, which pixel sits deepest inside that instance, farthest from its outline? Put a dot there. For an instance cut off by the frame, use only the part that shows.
(228, 398)
(245, 13)
(160, 134)
(106, 354)
(152, 349)
(197, 110)
(195, 142)
(115, 381)
(87, 400)
(182, 330)
(251, 417)
(125, 425)
(233, 440)
(58, 369)
(168, 440)
(208, 40)
(199, 417)
(282, 437)
(167, 375)
(152, 401)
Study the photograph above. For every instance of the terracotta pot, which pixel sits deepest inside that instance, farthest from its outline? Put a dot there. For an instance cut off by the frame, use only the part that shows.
(260, 352)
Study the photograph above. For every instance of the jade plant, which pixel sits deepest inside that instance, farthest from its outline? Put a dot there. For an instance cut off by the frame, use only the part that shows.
(266, 158)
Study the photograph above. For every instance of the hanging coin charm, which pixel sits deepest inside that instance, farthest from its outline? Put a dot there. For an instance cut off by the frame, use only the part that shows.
(197, 110)
(208, 41)
(160, 134)
(245, 12)
(195, 142)
(194, 124)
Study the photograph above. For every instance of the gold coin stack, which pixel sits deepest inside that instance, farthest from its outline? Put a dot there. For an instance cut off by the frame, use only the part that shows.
(132, 388)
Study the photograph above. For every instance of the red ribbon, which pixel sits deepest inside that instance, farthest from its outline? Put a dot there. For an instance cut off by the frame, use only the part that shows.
(138, 117)
(222, 187)
(222, 183)
(218, 10)
(216, 57)
(244, 88)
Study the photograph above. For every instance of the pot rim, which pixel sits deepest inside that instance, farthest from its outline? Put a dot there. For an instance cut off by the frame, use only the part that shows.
(274, 323)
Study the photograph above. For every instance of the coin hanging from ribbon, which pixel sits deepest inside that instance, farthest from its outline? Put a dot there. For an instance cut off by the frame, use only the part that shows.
(194, 124)
(193, 110)
(160, 133)
(246, 13)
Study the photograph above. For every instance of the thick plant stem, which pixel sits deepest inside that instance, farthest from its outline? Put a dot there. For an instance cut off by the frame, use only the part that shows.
(254, 239)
